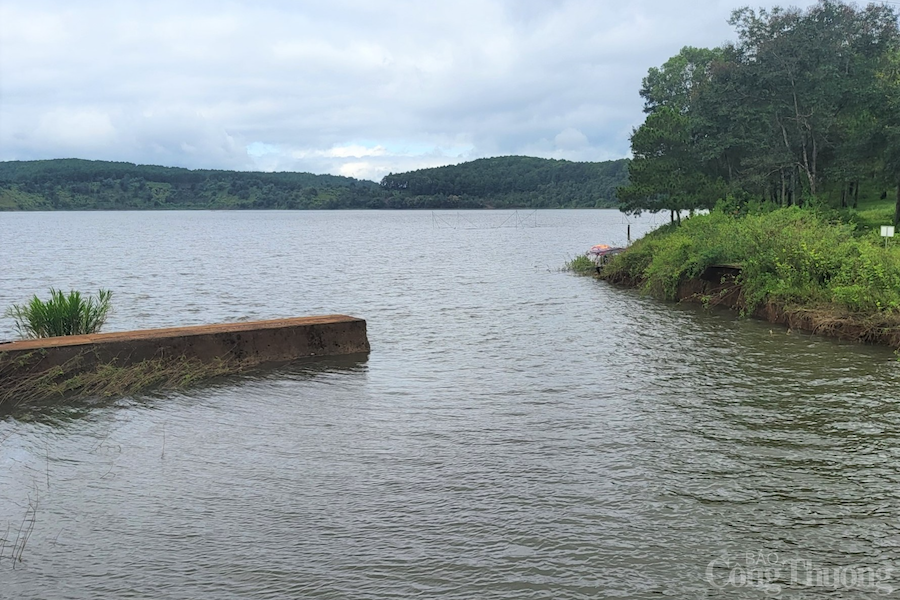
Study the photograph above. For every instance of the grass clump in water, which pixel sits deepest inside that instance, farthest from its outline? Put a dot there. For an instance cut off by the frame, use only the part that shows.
(62, 314)
(580, 265)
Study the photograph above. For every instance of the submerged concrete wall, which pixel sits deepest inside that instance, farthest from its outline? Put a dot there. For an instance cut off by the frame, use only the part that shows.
(258, 342)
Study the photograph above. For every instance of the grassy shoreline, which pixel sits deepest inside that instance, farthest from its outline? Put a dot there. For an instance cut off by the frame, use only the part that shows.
(808, 269)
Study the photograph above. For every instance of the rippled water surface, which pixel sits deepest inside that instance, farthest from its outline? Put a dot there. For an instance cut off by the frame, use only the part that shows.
(516, 432)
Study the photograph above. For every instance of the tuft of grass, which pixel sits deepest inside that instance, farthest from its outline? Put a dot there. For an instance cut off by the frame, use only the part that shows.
(580, 265)
(62, 314)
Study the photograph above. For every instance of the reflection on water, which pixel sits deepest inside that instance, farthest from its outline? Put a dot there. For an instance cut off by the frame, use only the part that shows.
(515, 433)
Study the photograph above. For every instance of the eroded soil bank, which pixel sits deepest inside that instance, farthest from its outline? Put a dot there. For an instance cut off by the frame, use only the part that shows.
(717, 286)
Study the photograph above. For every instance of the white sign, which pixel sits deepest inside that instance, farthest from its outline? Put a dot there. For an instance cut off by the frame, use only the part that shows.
(887, 231)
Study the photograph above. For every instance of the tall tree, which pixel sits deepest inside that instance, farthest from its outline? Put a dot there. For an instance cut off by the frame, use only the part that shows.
(891, 132)
(668, 171)
(665, 173)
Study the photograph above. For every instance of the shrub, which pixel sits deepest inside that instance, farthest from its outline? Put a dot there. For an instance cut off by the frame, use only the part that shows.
(62, 314)
(580, 265)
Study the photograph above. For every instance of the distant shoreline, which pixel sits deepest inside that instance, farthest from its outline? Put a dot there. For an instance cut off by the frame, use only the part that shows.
(513, 182)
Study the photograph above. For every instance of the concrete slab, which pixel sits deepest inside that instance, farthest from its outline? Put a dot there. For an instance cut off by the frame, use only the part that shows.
(256, 342)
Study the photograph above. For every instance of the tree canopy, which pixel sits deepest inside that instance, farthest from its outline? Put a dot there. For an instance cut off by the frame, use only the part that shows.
(803, 105)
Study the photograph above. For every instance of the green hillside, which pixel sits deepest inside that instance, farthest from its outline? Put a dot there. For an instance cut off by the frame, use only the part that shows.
(505, 182)
(74, 184)
(512, 182)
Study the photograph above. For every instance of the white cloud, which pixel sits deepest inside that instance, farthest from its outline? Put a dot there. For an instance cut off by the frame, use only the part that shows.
(570, 139)
(279, 85)
(74, 128)
(355, 151)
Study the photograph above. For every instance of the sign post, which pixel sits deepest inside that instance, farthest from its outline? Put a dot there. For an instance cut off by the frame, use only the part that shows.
(887, 231)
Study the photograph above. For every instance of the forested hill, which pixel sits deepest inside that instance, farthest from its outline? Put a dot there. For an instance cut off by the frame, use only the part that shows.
(74, 184)
(506, 182)
(514, 181)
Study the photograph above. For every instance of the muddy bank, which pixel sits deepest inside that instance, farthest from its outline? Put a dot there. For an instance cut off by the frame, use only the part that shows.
(717, 286)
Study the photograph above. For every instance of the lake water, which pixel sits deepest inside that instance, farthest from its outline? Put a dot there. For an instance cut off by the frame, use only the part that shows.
(516, 431)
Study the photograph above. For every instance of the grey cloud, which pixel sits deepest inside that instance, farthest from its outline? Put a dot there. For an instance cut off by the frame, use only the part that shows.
(194, 84)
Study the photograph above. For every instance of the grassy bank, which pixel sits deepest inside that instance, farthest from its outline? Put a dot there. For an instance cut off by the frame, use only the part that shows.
(797, 259)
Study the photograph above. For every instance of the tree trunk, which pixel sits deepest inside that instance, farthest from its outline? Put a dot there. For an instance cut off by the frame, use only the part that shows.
(897, 207)
(813, 177)
(855, 194)
(808, 165)
(671, 216)
(793, 197)
(810, 176)
(783, 188)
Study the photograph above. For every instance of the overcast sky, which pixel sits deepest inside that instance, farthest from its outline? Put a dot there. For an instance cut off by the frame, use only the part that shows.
(350, 87)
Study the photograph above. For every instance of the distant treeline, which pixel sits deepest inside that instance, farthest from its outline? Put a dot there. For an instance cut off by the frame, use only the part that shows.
(513, 182)
(74, 184)
(508, 182)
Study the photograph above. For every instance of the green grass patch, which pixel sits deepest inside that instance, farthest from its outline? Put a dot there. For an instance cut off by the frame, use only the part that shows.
(62, 314)
(871, 214)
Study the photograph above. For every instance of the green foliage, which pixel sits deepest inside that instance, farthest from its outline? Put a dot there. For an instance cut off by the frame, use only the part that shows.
(666, 173)
(677, 83)
(61, 314)
(580, 265)
(791, 256)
